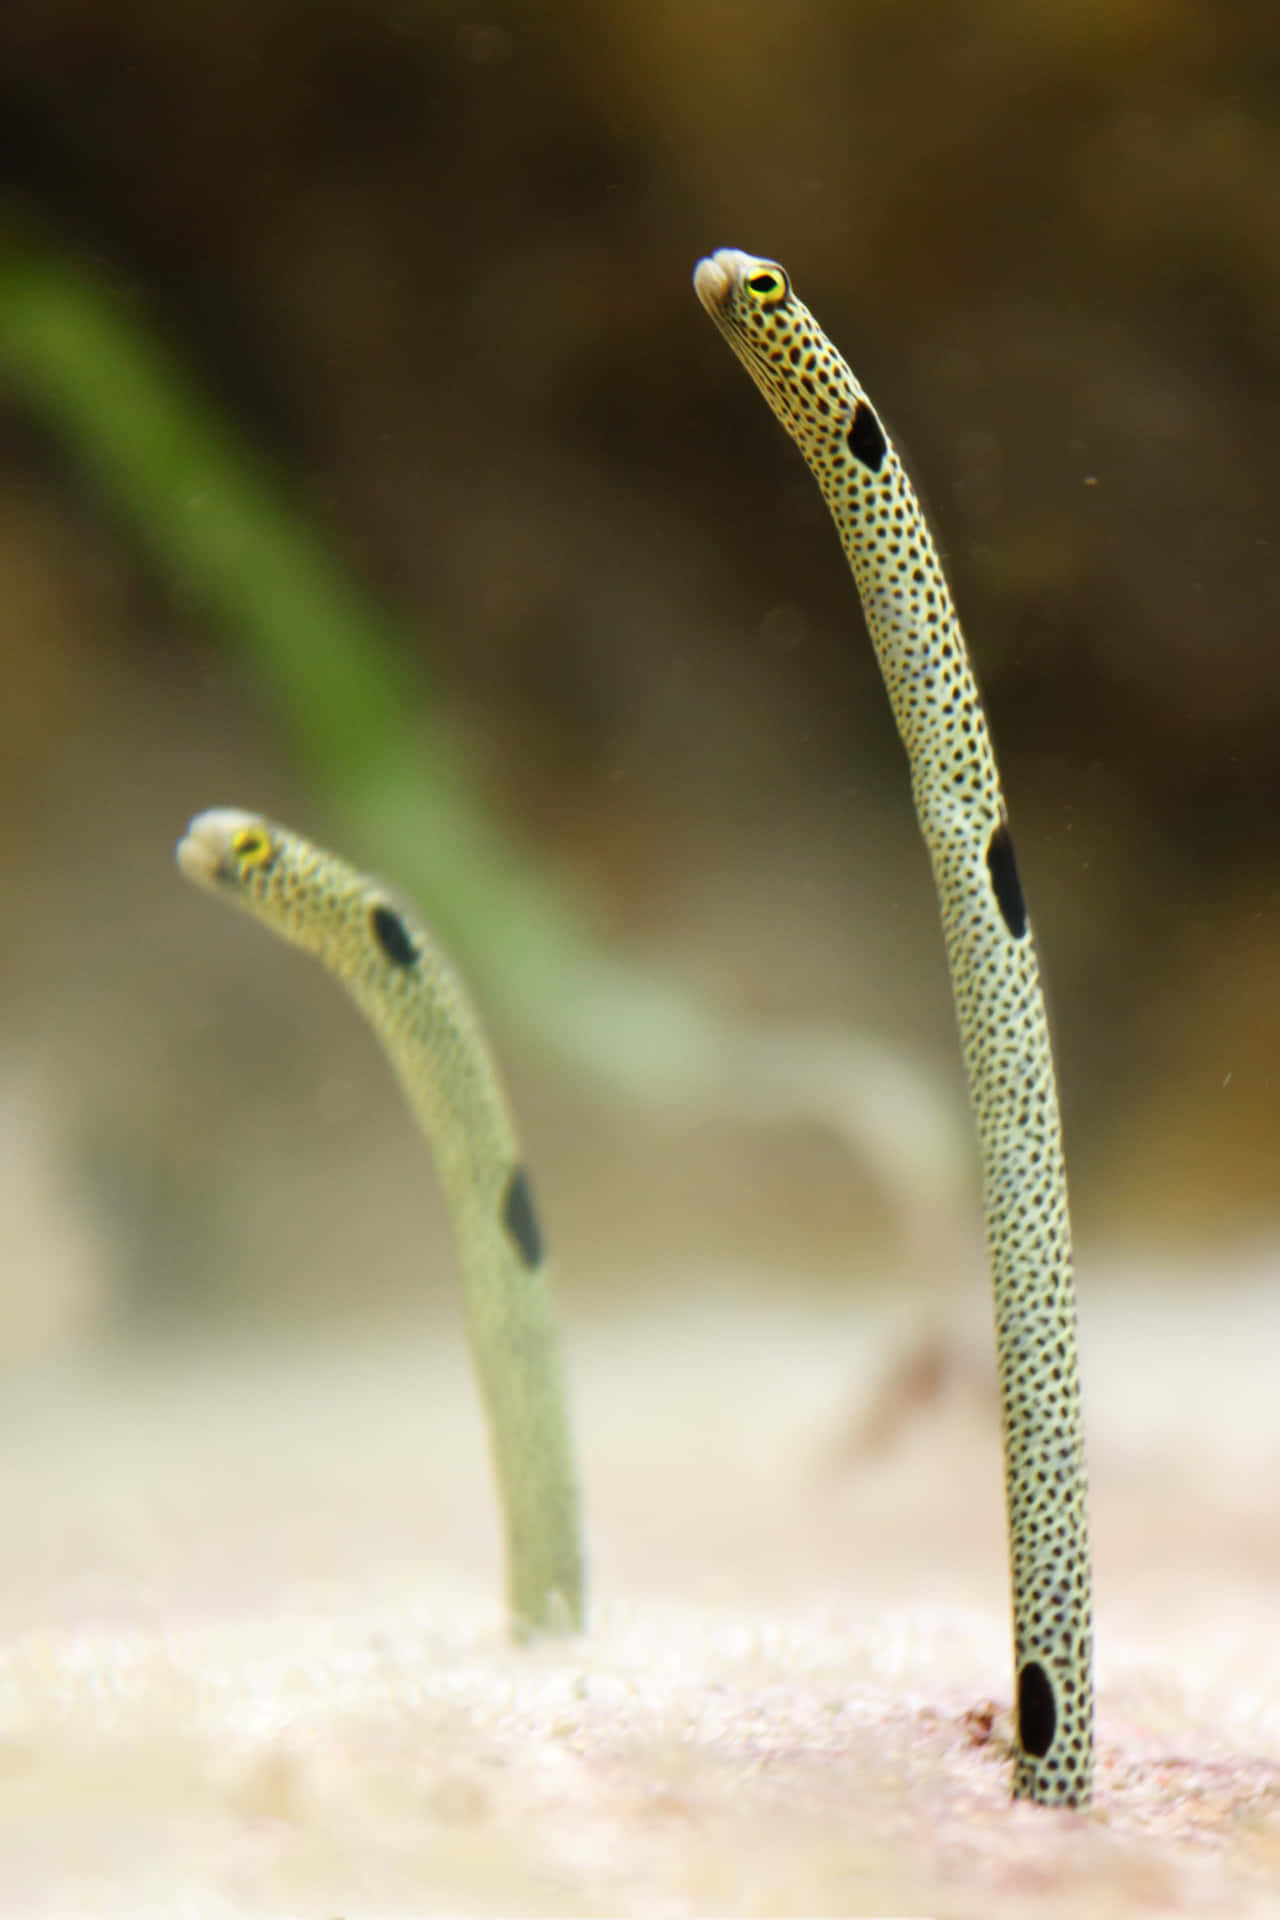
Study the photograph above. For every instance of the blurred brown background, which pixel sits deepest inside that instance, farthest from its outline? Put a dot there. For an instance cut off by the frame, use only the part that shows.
(435, 264)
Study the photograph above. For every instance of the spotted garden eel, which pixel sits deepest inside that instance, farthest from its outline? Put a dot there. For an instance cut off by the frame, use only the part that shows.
(996, 983)
(415, 1002)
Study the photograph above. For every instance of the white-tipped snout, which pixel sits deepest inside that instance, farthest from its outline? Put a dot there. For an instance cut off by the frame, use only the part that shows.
(715, 277)
(204, 846)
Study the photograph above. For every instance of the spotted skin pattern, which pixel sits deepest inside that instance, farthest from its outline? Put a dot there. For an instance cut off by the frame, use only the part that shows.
(999, 1003)
(415, 1002)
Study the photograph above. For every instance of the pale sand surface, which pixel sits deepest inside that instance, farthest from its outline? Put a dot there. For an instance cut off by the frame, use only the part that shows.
(252, 1659)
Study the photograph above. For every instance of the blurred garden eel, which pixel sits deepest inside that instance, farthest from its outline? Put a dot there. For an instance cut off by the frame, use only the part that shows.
(996, 983)
(415, 1002)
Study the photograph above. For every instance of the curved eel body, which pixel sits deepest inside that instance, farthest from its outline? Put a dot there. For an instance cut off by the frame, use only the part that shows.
(999, 1003)
(391, 967)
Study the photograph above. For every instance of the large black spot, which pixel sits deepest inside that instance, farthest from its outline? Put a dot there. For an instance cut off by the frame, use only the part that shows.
(519, 1218)
(866, 437)
(1037, 1715)
(1003, 869)
(393, 936)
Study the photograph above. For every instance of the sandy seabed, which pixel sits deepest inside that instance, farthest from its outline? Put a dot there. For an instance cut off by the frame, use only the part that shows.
(253, 1658)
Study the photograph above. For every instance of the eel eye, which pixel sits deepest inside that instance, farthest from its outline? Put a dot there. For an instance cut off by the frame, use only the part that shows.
(768, 286)
(252, 847)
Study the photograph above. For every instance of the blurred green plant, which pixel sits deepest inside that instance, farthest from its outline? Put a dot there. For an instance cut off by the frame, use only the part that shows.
(335, 670)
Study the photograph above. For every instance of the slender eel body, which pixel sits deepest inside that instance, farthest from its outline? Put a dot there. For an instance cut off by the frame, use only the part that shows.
(411, 996)
(999, 1003)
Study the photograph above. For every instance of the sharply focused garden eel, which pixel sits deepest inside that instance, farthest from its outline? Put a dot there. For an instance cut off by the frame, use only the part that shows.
(401, 982)
(1003, 1026)
(411, 996)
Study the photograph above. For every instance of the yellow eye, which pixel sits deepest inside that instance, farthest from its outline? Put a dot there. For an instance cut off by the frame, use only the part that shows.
(768, 286)
(251, 847)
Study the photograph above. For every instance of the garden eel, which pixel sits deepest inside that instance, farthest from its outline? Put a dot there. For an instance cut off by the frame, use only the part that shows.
(999, 1004)
(415, 1002)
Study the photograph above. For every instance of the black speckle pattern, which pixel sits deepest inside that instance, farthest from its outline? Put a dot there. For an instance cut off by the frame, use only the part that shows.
(999, 1006)
(1003, 869)
(866, 437)
(520, 1219)
(393, 936)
